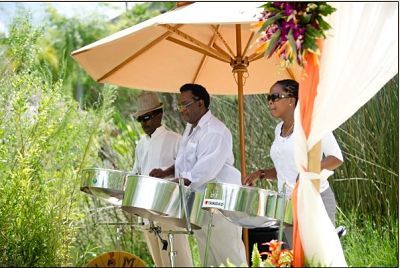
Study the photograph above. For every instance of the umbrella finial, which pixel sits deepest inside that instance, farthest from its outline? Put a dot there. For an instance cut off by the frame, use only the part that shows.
(183, 3)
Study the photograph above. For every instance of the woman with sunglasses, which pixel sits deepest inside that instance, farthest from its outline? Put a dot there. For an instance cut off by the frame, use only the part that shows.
(282, 101)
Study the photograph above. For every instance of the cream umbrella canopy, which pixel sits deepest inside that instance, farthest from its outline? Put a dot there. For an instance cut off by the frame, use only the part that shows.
(205, 43)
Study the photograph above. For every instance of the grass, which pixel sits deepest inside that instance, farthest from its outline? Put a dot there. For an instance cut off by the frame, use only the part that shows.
(369, 245)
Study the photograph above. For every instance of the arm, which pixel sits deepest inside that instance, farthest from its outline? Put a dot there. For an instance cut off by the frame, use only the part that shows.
(269, 173)
(159, 173)
(330, 162)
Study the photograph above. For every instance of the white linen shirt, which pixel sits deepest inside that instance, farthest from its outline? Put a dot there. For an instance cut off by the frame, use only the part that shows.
(206, 154)
(282, 154)
(157, 151)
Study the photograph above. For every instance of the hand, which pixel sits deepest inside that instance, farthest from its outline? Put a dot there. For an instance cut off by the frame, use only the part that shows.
(157, 173)
(249, 180)
(186, 182)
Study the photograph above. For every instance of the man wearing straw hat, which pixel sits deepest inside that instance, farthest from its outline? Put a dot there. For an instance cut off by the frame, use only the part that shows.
(158, 148)
(205, 154)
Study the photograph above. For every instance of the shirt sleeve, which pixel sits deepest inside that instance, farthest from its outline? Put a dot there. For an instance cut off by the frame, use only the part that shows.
(212, 153)
(176, 147)
(136, 168)
(331, 147)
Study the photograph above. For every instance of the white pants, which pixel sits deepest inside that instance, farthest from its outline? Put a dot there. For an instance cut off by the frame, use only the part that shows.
(226, 242)
(181, 246)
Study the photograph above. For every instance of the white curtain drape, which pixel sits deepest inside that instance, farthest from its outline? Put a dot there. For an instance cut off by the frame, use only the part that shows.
(360, 56)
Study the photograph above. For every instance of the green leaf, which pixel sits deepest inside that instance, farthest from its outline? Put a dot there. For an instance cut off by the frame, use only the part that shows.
(255, 256)
(269, 21)
(272, 44)
(323, 24)
(310, 44)
(292, 43)
(305, 19)
(312, 32)
(325, 9)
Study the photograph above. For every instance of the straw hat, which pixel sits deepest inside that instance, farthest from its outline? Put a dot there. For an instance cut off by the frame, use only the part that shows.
(147, 102)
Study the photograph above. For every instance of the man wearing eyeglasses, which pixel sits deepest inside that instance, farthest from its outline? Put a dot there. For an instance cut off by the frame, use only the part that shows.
(158, 148)
(205, 154)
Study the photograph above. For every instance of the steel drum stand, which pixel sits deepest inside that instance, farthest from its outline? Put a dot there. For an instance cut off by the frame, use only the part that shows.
(118, 231)
(283, 210)
(209, 229)
(157, 230)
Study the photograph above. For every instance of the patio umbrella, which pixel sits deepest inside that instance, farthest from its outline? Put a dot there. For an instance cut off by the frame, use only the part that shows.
(204, 43)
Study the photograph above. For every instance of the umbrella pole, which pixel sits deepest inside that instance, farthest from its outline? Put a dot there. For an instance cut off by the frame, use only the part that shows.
(241, 126)
(239, 66)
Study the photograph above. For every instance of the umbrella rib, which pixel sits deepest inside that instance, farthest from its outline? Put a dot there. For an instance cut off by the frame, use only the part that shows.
(139, 52)
(247, 45)
(195, 48)
(194, 41)
(220, 50)
(215, 29)
(255, 56)
(203, 60)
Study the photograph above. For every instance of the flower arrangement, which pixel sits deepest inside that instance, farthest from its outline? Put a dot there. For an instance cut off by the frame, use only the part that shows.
(277, 257)
(291, 29)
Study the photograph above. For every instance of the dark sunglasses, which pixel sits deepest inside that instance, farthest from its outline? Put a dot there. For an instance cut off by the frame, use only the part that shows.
(147, 117)
(278, 96)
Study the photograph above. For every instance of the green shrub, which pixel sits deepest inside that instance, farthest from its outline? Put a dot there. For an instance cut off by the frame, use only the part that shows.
(45, 141)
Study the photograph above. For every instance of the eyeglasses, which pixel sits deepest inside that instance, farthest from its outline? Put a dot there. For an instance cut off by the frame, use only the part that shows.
(277, 96)
(147, 117)
(181, 107)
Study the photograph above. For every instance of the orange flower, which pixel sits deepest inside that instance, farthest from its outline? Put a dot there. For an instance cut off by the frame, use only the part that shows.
(278, 257)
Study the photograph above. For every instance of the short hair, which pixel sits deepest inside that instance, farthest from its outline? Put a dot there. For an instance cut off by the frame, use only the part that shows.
(290, 86)
(198, 91)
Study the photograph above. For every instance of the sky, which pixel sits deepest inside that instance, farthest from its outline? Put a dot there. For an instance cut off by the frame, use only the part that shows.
(109, 9)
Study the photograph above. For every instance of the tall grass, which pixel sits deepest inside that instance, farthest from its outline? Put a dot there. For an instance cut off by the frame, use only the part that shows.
(368, 183)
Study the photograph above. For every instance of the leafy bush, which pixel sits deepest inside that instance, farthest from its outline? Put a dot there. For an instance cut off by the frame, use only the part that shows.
(45, 141)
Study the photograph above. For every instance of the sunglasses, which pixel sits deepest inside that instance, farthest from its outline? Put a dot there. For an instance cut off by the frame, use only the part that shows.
(147, 117)
(278, 96)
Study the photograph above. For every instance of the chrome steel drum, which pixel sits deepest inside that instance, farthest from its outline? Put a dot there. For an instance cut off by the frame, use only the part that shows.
(106, 184)
(159, 200)
(198, 215)
(246, 206)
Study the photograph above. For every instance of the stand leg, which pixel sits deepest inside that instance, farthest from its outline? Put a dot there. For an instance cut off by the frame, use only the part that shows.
(172, 252)
(283, 210)
(118, 238)
(205, 262)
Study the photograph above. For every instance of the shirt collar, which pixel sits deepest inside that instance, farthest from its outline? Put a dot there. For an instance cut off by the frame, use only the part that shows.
(203, 120)
(161, 129)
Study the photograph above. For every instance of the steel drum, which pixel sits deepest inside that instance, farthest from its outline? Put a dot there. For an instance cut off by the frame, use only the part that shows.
(159, 200)
(105, 184)
(246, 206)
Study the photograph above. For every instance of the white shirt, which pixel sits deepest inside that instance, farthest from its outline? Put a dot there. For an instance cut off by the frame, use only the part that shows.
(206, 154)
(157, 151)
(282, 154)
